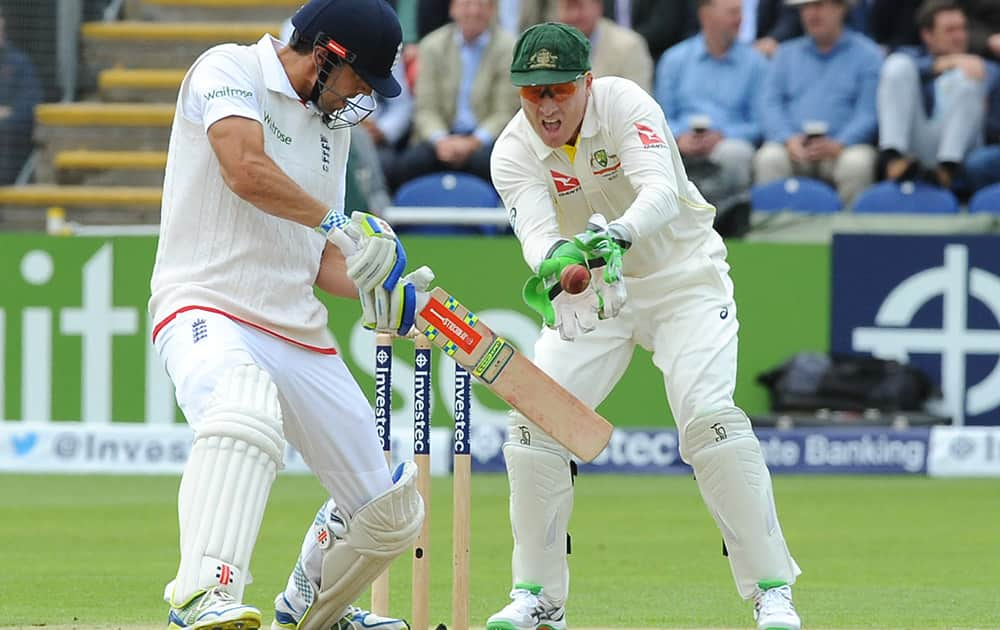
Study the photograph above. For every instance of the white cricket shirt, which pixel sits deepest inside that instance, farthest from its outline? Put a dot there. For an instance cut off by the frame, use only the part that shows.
(626, 167)
(219, 252)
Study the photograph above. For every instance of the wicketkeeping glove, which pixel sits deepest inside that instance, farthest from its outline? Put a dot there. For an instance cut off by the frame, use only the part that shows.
(394, 311)
(604, 245)
(374, 254)
(575, 314)
(571, 315)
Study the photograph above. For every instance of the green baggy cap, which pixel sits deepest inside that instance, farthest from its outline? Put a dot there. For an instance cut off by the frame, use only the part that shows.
(550, 53)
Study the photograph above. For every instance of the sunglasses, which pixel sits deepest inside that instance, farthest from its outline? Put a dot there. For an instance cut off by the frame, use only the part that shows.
(559, 91)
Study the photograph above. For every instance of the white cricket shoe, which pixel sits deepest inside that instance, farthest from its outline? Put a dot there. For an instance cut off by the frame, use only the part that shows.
(528, 610)
(354, 619)
(773, 608)
(213, 609)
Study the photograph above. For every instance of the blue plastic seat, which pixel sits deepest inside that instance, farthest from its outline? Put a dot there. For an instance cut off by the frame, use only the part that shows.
(906, 198)
(450, 189)
(986, 200)
(447, 189)
(799, 194)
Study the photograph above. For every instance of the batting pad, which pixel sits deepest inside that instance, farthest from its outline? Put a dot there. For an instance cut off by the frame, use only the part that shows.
(736, 487)
(381, 530)
(541, 503)
(238, 448)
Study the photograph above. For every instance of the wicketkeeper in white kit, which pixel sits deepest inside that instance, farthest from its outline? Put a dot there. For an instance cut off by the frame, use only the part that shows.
(252, 220)
(589, 172)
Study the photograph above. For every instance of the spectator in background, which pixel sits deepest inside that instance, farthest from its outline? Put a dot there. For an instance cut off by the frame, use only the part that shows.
(512, 16)
(431, 15)
(932, 100)
(662, 23)
(778, 21)
(707, 86)
(894, 23)
(982, 167)
(818, 108)
(462, 98)
(379, 140)
(984, 27)
(615, 51)
(520, 14)
(20, 91)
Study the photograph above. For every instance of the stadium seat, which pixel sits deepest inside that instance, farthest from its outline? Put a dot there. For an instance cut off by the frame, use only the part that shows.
(448, 189)
(986, 200)
(800, 194)
(906, 198)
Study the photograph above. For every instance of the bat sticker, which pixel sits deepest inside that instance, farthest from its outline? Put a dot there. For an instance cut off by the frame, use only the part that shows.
(494, 361)
(451, 325)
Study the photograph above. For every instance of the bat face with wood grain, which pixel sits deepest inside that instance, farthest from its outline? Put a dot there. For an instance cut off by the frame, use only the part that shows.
(512, 376)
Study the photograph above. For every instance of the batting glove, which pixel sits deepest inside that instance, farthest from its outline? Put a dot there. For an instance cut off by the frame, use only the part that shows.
(374, 255)
(394, 311)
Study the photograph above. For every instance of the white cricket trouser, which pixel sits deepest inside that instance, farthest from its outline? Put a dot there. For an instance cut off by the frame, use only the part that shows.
(326, 416)
(686, 318)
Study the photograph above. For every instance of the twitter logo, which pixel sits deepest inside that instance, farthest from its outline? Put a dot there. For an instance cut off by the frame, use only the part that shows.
(23, 443)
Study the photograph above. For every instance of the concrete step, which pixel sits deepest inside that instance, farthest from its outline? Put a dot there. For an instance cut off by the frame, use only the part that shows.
(25, 207)
(161, 45)
(99, 126)
(110, 168)
(139, 85)
(97, 114)
(211, 10)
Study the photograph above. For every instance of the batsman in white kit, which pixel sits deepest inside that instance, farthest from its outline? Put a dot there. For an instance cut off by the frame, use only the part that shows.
(252, 220)
(590, 174)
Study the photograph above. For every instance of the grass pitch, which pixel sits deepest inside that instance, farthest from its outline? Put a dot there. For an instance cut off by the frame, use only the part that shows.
(877, 552)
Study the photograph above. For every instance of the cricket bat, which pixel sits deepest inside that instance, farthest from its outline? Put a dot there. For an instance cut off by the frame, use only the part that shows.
(513, 377)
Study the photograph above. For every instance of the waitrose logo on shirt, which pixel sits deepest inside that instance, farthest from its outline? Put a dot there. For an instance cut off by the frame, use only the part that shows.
(227, 90)
(278, 133)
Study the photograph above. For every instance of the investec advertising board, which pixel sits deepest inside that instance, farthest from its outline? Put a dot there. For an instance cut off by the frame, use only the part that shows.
(82, 389)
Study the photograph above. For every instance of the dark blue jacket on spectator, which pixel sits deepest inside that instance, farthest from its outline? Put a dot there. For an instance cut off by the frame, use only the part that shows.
(894, 23)
(20, 91)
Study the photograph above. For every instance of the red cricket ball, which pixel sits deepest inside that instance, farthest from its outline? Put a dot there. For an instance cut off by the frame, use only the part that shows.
(574, 279)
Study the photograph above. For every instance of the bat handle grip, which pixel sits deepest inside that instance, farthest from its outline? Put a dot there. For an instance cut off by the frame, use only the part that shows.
(343, 242)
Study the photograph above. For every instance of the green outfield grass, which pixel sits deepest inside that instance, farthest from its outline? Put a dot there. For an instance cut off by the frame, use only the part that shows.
(884, 552)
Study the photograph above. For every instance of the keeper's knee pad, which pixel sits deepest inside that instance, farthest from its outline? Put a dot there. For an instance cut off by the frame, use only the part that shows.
(736, 486)
(238, 448)
(360, 550)
(541, 503)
